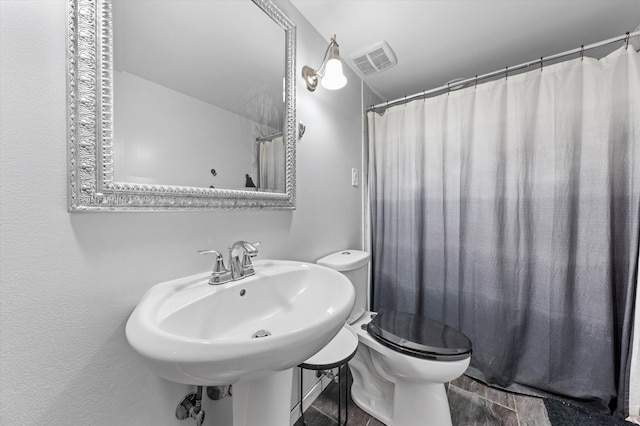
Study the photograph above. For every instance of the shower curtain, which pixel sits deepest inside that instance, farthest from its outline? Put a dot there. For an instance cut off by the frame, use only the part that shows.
(511, 211)
(271, 165)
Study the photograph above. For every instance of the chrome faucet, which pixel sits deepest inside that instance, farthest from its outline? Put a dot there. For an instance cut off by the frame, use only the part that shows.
(240, 254)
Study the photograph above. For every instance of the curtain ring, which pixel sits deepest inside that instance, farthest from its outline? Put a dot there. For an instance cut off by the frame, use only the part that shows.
(582, 52)
(626, 40)
(448, 88)
(506, 73)
(541, 62)
(476, 84)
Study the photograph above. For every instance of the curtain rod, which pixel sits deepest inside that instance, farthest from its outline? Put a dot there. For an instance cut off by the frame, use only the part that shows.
(541, 61)
(269, 138)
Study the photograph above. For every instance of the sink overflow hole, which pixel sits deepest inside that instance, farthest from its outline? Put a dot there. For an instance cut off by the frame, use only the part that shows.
(261, 333)
(242, 292)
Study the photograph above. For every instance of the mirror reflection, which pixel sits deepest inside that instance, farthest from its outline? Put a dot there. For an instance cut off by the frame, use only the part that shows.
(198, 94)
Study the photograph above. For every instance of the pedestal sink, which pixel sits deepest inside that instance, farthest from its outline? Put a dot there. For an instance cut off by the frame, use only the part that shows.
(249, 333)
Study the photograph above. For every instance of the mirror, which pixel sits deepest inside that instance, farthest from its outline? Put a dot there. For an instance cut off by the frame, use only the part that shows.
(174, 105)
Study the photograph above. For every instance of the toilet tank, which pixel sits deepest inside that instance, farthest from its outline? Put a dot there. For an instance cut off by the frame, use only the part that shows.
(354, 264)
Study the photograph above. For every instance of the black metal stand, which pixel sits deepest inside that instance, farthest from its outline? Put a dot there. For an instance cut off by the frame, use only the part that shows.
(336, 354)
(340, 365)
(343, 368)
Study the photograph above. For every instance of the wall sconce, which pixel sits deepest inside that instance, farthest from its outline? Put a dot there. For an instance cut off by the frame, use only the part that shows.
(330, 71)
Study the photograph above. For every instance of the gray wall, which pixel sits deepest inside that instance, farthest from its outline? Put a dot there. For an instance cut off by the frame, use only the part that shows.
(70, 281)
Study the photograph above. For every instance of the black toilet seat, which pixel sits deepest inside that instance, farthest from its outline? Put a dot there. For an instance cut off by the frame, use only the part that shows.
(419, 336)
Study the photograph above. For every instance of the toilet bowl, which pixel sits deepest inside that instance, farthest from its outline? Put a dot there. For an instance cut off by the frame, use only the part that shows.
(403, 385)
(403, 360)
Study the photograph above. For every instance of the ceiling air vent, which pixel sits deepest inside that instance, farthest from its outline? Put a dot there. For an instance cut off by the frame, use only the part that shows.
(375, 58)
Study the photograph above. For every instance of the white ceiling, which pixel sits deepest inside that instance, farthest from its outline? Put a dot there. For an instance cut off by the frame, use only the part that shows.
(436, 41)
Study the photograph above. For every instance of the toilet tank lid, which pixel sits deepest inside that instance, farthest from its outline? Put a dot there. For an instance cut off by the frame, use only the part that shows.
(345, 260)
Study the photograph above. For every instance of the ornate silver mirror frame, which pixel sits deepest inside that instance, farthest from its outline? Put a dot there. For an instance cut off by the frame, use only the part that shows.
(91, 184)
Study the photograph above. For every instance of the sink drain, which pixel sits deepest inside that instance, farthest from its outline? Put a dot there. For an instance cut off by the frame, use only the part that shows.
(261, 333)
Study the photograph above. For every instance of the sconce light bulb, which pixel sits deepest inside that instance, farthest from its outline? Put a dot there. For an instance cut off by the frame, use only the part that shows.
(333, 78)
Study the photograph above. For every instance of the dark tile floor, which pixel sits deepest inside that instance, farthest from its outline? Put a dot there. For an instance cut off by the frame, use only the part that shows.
(472, 404)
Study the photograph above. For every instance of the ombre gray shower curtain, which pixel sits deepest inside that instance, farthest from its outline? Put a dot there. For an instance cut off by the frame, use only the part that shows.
(511, 211)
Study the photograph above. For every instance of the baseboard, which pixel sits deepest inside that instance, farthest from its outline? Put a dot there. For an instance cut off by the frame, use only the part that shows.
(634, 419)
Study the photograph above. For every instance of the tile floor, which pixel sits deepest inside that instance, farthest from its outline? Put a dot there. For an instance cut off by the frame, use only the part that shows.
(474, 403)
(471, 403)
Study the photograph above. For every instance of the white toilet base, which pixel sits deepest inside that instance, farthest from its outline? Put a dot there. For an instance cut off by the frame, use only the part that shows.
(376, 407)
(400, 403)
(416, 407)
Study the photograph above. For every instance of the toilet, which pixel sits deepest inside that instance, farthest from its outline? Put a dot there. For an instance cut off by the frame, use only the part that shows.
(403, 360)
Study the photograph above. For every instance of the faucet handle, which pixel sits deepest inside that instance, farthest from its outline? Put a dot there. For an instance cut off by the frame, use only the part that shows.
(252, 249)
(219, 265)
(247, 246)
(220, 274)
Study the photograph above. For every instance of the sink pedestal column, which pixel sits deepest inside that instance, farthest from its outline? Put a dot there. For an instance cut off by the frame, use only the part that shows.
(265, 401)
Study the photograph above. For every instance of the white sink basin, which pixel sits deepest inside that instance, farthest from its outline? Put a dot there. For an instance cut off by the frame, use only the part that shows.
(194, 333)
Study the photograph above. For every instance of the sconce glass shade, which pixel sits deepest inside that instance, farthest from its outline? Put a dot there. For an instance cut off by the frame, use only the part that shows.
(333, 78)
